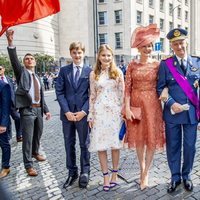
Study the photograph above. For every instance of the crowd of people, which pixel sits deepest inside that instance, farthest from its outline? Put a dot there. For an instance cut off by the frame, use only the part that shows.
(158, 101)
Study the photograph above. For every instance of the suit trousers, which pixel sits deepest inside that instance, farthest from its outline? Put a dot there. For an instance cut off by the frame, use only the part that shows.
(6, 149)
(69, 131)
(176, 136)
(18, 127)
(32, 128)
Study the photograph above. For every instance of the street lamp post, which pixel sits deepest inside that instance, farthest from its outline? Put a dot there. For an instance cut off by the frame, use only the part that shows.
(173, 15)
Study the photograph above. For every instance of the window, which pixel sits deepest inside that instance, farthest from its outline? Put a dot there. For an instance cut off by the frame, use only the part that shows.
(139, 17)
(186, 2)
(179, 26)
(118, 41)
(102, 1)
(161, 44)
(118, 16)
(186, 16)
(102, 18)
(161, 24)
(170, 25)
(103, 38)
(139, 1)
(186, 28)
(161, 5)
(151, 3)
(179, 12)
(170, 8)
(117, 58)
(151, 18)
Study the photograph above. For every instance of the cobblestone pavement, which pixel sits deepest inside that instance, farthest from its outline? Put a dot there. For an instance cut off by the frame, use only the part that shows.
(52, 173)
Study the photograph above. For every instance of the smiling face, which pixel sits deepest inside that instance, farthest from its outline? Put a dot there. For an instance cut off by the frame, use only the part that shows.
(146, 50)
(105, 58)
(179, 47)
(77, 56)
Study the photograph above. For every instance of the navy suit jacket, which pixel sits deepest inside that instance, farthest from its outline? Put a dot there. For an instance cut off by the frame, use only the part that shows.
(70, 97)
(5, 103)
(165, 79)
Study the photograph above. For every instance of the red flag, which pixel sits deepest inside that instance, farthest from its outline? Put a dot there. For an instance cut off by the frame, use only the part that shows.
(15, 12)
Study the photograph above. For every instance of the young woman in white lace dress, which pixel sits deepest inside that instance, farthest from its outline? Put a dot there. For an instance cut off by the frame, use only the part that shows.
(106, 98)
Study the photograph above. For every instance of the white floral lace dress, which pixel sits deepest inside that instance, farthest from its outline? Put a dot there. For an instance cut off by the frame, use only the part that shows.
(106, 98)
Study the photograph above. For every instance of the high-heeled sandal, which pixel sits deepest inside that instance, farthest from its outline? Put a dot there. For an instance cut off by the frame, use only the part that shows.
(112, 183)
(106, 188)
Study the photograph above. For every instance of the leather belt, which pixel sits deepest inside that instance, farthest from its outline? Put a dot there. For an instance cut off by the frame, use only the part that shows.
(36, 105)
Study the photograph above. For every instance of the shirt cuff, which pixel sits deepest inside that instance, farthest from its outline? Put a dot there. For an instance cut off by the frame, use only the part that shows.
(84, 112)
(11, 47)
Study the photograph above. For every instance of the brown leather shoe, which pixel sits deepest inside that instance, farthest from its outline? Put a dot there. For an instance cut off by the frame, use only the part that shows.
(4, 172)
(31, 172)
(39, 157)
(19, 139)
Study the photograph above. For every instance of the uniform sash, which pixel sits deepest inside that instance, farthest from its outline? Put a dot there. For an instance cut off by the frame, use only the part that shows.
(184, 84)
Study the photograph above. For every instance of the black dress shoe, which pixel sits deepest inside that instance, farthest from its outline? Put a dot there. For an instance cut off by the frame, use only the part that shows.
(83, 180)
(70, 180)
(188, 185)
(173, 185)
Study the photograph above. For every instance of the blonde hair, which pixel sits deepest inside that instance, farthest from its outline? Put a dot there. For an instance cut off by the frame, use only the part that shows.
(76, 46)
(113, 71)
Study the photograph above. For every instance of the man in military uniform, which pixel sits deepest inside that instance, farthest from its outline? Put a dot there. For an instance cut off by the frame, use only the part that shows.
(180, 75)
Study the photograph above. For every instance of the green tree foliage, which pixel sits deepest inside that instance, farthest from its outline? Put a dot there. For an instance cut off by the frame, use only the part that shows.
(44, 62)
(4, 61)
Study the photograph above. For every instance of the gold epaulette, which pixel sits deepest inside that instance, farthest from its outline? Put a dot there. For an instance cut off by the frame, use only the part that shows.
(166, 57)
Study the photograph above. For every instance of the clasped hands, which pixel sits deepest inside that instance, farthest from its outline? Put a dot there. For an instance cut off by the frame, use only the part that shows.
(77, 116)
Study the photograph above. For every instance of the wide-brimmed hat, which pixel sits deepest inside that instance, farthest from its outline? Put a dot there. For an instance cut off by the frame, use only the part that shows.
(142, 36)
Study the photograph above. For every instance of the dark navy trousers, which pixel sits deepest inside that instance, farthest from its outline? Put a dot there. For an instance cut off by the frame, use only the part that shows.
(178, 135)
(6, 149)
(69, 131)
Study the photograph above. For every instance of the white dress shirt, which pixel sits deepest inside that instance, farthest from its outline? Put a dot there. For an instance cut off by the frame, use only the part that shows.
(31, 91)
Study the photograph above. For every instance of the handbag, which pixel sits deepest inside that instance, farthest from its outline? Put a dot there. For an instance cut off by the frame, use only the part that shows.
(137, 112)
(122, 131)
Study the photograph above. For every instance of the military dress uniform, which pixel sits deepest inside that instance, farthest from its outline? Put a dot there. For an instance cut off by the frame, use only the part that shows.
(180, 126)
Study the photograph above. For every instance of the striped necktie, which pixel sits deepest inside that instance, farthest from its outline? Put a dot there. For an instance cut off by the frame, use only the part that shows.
(36, 89)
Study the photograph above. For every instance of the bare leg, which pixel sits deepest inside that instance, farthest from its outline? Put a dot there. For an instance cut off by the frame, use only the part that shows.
(115, 163)
(148, 160)
(104, 166)
(141, 158)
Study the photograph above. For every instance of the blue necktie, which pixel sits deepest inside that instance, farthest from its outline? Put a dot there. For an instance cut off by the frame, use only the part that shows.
(77, 75)
(183, 66)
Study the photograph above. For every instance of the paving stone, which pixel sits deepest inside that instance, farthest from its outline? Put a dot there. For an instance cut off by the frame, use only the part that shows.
(53, 173)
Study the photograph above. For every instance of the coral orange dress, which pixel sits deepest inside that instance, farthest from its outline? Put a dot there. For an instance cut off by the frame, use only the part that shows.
(140, 86)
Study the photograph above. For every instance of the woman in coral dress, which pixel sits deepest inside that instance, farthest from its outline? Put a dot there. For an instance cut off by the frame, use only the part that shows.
(106, 98)
(147, 134)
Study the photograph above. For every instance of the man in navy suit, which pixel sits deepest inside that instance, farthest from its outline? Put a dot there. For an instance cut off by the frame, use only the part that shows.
(180, 74)
(14, 113)
(72, 90)
(5, 102)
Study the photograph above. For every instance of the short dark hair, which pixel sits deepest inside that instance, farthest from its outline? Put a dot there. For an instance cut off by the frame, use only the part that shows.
(28, 54)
